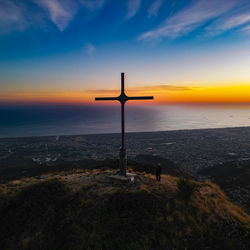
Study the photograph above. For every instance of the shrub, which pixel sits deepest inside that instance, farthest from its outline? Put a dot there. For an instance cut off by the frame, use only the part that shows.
(187, 188)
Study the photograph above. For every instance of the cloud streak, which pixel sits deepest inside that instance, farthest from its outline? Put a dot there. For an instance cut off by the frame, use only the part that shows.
(90, 48)
(61, 12)
(154, 8)
(246, 29)
(227, 23)
(138, 90)
(20, 15)
(11, 17)
(189, 19)
(133, 8)
(92, 4)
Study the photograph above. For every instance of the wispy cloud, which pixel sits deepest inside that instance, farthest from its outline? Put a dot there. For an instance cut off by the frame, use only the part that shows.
(189, 19)
(227, 23)
(92, 4)
(90, 48)
(143, 89)
(133, 8)
(20, 15)
(103, 91)
(154, 8)
(246, 29)
(61, 12)
(11, 17)
(165, 87)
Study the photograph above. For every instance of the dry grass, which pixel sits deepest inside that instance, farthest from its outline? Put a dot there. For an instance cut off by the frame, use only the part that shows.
(98, 207)
(210, 199)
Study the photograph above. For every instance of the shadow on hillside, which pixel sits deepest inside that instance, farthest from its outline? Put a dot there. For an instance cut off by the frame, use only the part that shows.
(49, 215)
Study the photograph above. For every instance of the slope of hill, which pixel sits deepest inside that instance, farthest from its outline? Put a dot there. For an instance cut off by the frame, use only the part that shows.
(91, 210)
(233, 178)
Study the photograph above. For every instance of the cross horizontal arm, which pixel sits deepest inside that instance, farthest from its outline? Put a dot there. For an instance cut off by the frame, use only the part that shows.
(141, 98)
(106, 99)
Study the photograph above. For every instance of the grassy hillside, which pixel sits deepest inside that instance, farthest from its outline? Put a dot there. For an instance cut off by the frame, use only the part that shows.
(89, 210)
(233, 178)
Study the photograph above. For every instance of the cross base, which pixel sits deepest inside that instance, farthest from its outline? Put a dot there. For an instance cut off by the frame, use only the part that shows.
(123, 162)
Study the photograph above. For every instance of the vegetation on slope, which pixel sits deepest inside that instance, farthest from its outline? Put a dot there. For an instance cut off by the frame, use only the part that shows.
(233, 178)
(90, 210)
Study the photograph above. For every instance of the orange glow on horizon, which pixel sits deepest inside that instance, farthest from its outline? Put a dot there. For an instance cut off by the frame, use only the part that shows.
(163, 94)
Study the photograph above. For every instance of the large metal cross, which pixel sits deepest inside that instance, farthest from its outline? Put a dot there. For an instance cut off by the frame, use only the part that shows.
(122, 98)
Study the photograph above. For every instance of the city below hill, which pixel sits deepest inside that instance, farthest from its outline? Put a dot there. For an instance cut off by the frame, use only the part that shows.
(95, 209)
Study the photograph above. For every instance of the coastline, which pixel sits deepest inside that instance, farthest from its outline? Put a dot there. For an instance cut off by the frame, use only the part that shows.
(127, 133)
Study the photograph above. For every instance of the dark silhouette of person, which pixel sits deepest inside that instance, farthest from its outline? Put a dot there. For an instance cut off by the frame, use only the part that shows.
(158, 172)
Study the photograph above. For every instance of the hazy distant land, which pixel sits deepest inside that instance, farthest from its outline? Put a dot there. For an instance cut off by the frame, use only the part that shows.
(191, 150)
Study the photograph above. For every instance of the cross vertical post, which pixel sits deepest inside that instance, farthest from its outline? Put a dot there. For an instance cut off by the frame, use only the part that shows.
(122, 82)
(123, 98)
(123, 112)
(123, 151)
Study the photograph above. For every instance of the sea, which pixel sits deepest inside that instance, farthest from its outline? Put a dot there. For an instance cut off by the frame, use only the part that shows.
(50, 120)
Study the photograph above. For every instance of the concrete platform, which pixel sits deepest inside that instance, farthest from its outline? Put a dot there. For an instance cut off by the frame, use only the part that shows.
(130, 177)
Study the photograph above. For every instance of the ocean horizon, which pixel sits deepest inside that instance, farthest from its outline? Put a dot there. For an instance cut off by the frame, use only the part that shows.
(55, 120)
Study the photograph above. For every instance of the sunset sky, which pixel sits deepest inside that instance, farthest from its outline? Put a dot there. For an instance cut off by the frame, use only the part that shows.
(180, 51)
